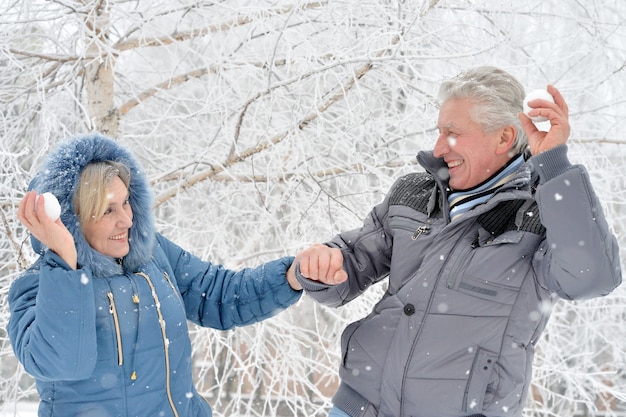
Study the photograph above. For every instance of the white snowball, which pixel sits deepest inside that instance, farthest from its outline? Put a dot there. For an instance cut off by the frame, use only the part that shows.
(533, 95)
(52, 206)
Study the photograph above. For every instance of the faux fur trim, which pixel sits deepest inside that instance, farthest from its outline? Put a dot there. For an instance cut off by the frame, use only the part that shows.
(60, 174)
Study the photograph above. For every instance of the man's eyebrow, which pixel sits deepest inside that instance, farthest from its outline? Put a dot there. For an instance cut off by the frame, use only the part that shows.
(449, 125)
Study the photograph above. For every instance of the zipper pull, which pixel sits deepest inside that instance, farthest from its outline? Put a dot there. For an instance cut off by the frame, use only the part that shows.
(420, 230)
(110, 297)
(135, 299)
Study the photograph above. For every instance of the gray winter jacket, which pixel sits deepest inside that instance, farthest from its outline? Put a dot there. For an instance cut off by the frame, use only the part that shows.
(454, 334)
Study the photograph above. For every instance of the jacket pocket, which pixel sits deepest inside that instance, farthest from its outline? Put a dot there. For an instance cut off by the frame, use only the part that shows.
(480, 379)
(488, 291)
(414, 228)
(494, 269)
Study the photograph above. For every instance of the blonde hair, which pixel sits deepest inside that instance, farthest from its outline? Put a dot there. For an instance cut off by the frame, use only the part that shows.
(90, 198)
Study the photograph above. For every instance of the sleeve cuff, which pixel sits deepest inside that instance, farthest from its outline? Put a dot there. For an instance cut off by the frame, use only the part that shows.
(309, 285)
(55, 261)
(550, 164)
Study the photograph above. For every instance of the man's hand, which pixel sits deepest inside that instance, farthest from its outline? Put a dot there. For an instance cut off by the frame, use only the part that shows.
(556, 113)
(321, 263)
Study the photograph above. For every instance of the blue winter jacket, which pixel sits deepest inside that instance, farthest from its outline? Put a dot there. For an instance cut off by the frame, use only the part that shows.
(111, 338)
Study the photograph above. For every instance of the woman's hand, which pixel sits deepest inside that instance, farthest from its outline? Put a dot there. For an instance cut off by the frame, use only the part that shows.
(53, 234)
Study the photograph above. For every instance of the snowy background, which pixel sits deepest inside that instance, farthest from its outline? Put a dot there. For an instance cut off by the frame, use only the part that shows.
(265, 126)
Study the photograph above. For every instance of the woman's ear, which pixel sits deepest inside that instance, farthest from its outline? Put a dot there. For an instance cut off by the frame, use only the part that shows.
(507, 139)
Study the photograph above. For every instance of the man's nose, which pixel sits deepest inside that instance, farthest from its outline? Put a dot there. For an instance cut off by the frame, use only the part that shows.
(442, 146)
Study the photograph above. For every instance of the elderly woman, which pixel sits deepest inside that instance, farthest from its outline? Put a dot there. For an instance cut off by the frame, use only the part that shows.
(99, 320)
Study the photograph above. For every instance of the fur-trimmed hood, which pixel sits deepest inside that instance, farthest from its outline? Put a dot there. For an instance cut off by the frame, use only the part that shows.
(60, 175)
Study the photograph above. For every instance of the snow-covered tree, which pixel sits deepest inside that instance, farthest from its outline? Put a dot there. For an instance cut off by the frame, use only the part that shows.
(266, 126)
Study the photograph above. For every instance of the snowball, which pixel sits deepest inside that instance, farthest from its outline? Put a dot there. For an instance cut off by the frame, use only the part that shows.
(51, 205)
(534, 95)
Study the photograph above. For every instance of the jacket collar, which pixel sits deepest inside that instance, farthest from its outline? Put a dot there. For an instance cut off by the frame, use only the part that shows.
(519, 187)
(439, 170)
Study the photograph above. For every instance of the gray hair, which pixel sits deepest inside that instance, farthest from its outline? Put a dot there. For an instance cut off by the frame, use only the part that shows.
(497, 96)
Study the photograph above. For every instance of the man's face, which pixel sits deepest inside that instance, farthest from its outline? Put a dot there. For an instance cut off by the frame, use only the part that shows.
(472, 155)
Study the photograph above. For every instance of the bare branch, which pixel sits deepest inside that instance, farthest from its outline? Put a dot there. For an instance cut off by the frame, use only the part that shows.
(165, 85)
(195, 33)
(45, 57)
(16, 245)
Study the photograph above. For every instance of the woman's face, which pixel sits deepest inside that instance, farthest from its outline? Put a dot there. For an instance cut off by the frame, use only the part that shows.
(109, 234)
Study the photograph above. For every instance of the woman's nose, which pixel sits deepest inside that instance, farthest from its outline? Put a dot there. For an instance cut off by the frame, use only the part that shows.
(126, 218)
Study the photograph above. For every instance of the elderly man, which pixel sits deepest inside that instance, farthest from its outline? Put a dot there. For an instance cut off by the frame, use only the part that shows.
(476, 249)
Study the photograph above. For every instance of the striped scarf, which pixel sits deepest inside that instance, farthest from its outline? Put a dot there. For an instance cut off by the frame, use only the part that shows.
(462, 201)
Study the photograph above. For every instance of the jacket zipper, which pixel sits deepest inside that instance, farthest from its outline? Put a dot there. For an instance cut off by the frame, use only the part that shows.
(157, 303)
(417, 336)
(409, 225)
(118, 333)
(420, 230)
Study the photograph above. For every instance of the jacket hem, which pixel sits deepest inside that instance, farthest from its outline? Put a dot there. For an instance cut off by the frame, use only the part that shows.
(351, 402)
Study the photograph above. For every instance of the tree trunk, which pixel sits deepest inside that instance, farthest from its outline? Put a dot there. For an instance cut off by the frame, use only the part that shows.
(99, 76)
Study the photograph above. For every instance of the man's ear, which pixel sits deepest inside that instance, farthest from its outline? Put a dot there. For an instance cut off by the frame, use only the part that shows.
(507, 138)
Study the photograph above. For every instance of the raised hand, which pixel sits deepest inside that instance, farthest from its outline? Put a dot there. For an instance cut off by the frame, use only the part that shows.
(53, 234)
(557, 113)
